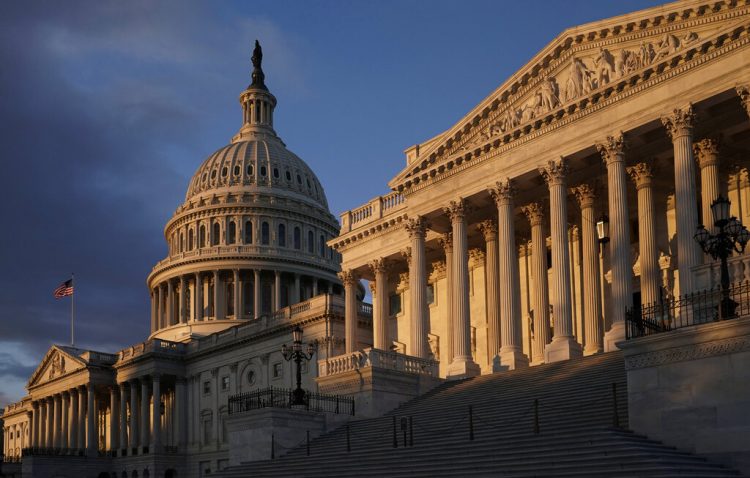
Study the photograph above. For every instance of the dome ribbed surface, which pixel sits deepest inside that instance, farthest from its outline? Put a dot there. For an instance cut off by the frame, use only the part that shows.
(257, 165)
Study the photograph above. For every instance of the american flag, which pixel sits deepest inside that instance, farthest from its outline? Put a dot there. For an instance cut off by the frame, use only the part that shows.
(64, 289)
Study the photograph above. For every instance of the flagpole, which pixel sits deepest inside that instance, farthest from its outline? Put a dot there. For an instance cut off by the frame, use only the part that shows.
(72, 311)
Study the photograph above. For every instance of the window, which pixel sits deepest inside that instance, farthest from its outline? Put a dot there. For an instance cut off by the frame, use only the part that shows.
(264, 234)
(288, 176)
(278, 370)
(299, 179)
(237, 170)
(182, 242)
(276, 173)
(225, 383)
(263, 171)
(251, 377)
(248, 232)
(249, 169)
(308, 183)
(202, 236)
(282, 235)
(224, 171)
(207, 426)
(232, 234)
(213, 174)
(215, 235)
(394, 301)
(430, 294)
(297, 238)
(322, 246)
(310, 242)
(207, 387)
(191, 240)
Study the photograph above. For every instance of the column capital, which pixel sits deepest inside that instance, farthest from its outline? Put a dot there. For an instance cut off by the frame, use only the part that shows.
(503, 192)
(680, 122)
(378, 265)
(534, 212)
(613, 148)
(372, 287)
(743, 91)
(489, 229)
(476, 257)
(456, 210)
(348, 277)
(446, 242)
(554, 171)
(416, 227)
(585, 194)
(706, 151)
(641, 174)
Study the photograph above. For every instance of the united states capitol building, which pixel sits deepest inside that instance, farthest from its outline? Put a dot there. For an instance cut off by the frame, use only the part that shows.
(553, 225)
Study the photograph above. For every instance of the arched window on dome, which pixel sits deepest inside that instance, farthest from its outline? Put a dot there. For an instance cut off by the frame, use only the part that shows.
(248, 232)
(232, 233)
(264, 234)
(310, 242)
(202, 236)
(215, 234)
(191, 239)
(282, 235)
(182, 242)
(297, 238)
(322, 246)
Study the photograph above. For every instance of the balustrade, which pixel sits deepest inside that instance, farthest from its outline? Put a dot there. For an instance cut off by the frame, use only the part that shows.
(371, 357)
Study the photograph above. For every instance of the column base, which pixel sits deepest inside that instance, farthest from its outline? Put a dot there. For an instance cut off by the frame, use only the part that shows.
(462, 368)
(592, 351)
(562, 348)
(509, 358)
(615, 334)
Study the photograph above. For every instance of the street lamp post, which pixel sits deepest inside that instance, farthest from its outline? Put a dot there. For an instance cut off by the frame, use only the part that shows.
(298, 355)
(731, 236)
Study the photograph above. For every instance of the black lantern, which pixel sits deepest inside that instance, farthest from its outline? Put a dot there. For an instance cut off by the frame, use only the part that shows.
(602, 229)
(720, 210)
(296, 354)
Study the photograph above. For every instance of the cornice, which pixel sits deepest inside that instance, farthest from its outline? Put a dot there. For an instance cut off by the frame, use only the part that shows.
(387, 225)
(688, 352)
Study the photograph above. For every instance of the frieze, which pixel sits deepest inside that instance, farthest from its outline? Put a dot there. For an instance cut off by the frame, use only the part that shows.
(688, 352)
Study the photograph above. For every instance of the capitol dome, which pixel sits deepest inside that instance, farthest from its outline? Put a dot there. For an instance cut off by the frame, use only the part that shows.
(251, 236)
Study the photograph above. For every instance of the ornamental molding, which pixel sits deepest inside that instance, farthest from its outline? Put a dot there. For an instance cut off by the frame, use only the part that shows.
(687, 44)
(342, 243)
(706, 152)
(688, 352)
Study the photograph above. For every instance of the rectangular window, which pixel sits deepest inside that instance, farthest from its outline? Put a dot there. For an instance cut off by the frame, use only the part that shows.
(430, 294)
(225, 383)
(278, 370)
(207, 387)
(207, 425)
(394, 304)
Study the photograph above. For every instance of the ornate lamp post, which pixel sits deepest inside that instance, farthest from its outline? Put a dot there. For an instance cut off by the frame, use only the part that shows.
(731, 236)
(296, 354)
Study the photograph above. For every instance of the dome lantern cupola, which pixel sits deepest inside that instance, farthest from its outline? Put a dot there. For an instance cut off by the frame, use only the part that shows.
(257, 103)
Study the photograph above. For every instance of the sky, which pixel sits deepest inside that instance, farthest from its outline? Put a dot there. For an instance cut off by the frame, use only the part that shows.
(107, 108)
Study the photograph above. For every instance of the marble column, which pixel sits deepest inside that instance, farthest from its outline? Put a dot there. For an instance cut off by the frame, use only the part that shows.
(123, 419)
(240, 294)
(418, 315)
(277, 290)
(154, 323)
(81, 426)
(463, 364)
(446, 241)
(256, 293)
(679, 126)
(91, 439)
(534, 212)
(592, 305)
(511, 350)
(133, 415)
(50, 422)
(613, 154)
(488, 229)
(113, 418)
(563, 345)
(156, 413)
(160, 322)
(219, 307)
(649, 254)
(65, 428)
(74, 419)
(170, 304)
(296, 292)
(380, 338)
(237, 292)
(198, 313)
(314, 286)
(34, 424)
(145, 425)
(180, 406)
(707, 152)
(350, 280)
(183, 300)
(57, 421)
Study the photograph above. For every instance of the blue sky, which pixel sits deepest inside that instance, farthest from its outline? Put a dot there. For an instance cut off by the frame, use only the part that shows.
(107, 108)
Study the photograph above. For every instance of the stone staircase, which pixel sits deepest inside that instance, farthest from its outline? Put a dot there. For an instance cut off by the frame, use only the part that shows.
(553, 420)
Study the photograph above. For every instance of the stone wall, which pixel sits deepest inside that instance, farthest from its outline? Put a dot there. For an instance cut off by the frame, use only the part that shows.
(690, 388)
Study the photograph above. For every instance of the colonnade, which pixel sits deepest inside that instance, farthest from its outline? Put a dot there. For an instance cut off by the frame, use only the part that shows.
(502, 263)
(222, 293)
(65, 420)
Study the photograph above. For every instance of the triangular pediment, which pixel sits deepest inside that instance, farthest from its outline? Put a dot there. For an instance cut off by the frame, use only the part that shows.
(580, 66)
(58, 361)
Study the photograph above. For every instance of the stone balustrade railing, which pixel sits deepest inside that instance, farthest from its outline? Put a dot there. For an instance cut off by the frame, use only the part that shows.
(254, 250)
(371, 357)
(377, 208)
(708, 275)
(153, 345)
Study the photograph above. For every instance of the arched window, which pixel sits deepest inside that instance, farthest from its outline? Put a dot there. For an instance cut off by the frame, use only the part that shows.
(297, 238)
(215, 234)
(248, 232)
(202, 236)
(282, 235)
(232, 233)
(191, 240)
(182, 241)
(264, 234)
(310, 242)
(322, 246)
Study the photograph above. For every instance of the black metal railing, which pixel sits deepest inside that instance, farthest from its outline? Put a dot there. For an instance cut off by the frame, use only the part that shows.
(273, 397)
(691, 309)
(44, 451)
